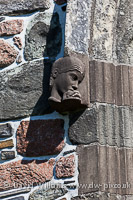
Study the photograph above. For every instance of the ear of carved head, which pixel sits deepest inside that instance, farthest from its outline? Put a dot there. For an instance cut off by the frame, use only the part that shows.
(52, 77)
(54, 73)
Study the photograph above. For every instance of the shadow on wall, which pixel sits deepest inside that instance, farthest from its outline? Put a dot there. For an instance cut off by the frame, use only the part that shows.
(52, 49)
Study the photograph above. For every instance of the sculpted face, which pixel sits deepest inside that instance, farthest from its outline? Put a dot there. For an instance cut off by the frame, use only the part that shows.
(67, 84)
(67, 74)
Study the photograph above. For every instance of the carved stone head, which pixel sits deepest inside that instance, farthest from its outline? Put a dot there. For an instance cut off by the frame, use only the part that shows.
(67, 73)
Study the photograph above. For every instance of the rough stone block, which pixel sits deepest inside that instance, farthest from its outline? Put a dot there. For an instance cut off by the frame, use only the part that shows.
(103, 196)
(103, 23)
(5, 155)
(5, 130)
(26, 87)
(8, 54)
(103, 123)
(22, 6)
(110, 83)
(40, 137)
(11, 27)
(43, 36)
(65, 167)
(25, 173)
(124, 37)
(52, 193)
(105, 172)
(101, 27)
(77, 26)
(5, 144)
(80, 134)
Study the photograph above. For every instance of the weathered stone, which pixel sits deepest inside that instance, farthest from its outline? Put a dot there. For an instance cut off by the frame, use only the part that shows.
(5, 144)
(18, 42)
(109, 171)
(5, 130)
(25, 173)
(52, 193)
(103, 123)
(14, 192)
(124, 31)
(22, 6)
(102, 33)
(102, 196)
(26, 87)
(40, 137)
(11, 27)
(7, 54)
(60, 2)
(43, 36)
(65, 167)
(5, 155)
(17, 198)
(106, 24)
(83, 127)
(77, 26)
(110, 83)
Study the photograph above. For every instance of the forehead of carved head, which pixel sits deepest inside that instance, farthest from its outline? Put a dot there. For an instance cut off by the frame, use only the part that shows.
(66, 64)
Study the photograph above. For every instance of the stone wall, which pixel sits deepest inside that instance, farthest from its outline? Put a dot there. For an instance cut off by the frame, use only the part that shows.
(87, 154)
(37, 160)
(103, 132)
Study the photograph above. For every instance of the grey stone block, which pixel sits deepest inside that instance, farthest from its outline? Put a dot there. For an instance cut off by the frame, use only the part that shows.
(102, 196)
(5, 130)
(83, 127)
(43, 36)
(124, 37)
(103, 29)
(77, 26)
(103, 123)
(24, 90)
(22, 6)
(104, 16)
(5, 155)
(48, 193)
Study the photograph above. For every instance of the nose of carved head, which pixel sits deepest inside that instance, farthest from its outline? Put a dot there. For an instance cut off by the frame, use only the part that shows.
(75, 86)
